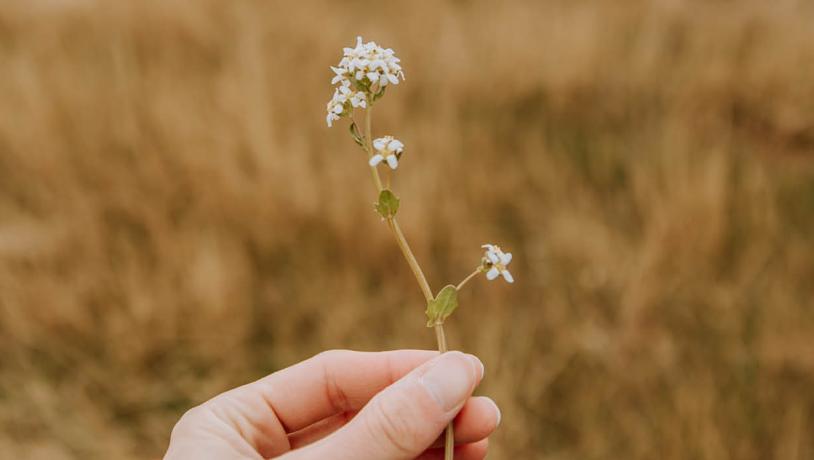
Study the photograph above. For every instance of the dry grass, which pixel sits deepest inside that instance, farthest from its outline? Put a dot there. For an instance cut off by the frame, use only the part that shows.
(175, 218)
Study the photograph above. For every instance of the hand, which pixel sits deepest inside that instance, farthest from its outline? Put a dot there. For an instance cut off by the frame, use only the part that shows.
(345, 405)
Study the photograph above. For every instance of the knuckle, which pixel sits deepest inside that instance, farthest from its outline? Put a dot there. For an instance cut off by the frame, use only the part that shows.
(330, 355)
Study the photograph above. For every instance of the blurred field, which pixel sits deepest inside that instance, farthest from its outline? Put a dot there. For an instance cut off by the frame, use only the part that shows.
(176, 219)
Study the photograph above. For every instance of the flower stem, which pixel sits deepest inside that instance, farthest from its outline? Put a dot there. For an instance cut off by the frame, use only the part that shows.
(369, 138)
(449, 442)
(466, 280)
(411, 260)
(449, 439)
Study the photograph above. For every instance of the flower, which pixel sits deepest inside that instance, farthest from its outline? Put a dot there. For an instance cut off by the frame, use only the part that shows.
(369, 66)
(389, 149)
(362, 75)
(343, 99)
(495, 262)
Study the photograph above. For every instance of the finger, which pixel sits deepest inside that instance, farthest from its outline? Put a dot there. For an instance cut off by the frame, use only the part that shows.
(319, 430)
(473, 451)
(402, 421)
(333, 382)
(477, 420)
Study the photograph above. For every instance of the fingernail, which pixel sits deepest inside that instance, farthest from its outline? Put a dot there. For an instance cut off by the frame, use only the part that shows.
(478, 365)
(497, 410)
(449, 380)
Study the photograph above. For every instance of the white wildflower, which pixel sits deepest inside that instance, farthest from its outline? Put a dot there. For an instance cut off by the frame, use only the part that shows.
(362, 75)
(389, 149)
(495, 262)
(342, 100)
(358, 99)
(369, 66)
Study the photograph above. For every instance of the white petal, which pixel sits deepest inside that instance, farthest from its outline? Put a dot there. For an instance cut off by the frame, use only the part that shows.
(395, 145)
(492, 257)
(393, 161)
(372, 76)
(492, 273)
(506, 258)
(508, 276)
(375, 159)
(393, 79)
(379, 143)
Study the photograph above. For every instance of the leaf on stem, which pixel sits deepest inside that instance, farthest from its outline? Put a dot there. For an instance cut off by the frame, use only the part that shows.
(439, 308)
(356, 135)
(388, 204)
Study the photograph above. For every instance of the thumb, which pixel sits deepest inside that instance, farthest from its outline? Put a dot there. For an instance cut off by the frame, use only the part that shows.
(406, 418)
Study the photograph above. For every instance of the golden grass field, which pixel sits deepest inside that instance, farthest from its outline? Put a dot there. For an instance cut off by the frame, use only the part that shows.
(176, 219)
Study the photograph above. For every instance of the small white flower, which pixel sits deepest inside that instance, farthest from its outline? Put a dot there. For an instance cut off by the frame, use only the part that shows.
(343, 99)
(370, 65)
(389, 149)
(362, 75)
(341, 75)
(495, 262)
(358, 99)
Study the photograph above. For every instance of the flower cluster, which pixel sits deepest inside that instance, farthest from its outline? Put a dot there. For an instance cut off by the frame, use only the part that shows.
(362, 76)
(388, 149)
(495, 262)
(342, 101)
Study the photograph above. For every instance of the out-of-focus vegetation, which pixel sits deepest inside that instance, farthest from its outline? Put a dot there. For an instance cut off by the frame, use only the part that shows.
(176, 219)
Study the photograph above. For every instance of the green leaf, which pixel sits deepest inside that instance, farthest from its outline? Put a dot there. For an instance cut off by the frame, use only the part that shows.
(388, 204)
(356, 135)
(442, 305)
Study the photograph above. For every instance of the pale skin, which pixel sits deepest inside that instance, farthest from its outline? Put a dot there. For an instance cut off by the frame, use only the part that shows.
(346, 405)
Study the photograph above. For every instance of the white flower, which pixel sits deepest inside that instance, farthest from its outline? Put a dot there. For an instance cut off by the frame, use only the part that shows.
(389, 149)
(495, 262)
(344, 97)
(359, 99)
(362, 75)
(371, 66)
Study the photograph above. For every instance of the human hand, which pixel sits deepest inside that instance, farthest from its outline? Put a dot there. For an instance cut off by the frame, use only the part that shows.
(346, 405)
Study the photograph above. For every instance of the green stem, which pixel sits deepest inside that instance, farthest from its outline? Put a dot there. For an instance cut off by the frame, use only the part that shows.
(411, 260)
(449, 438)
(466, 280)
(369, 138)
(449, 442)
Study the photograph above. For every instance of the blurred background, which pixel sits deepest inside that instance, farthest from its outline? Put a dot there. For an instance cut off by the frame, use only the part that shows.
(176, 219)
